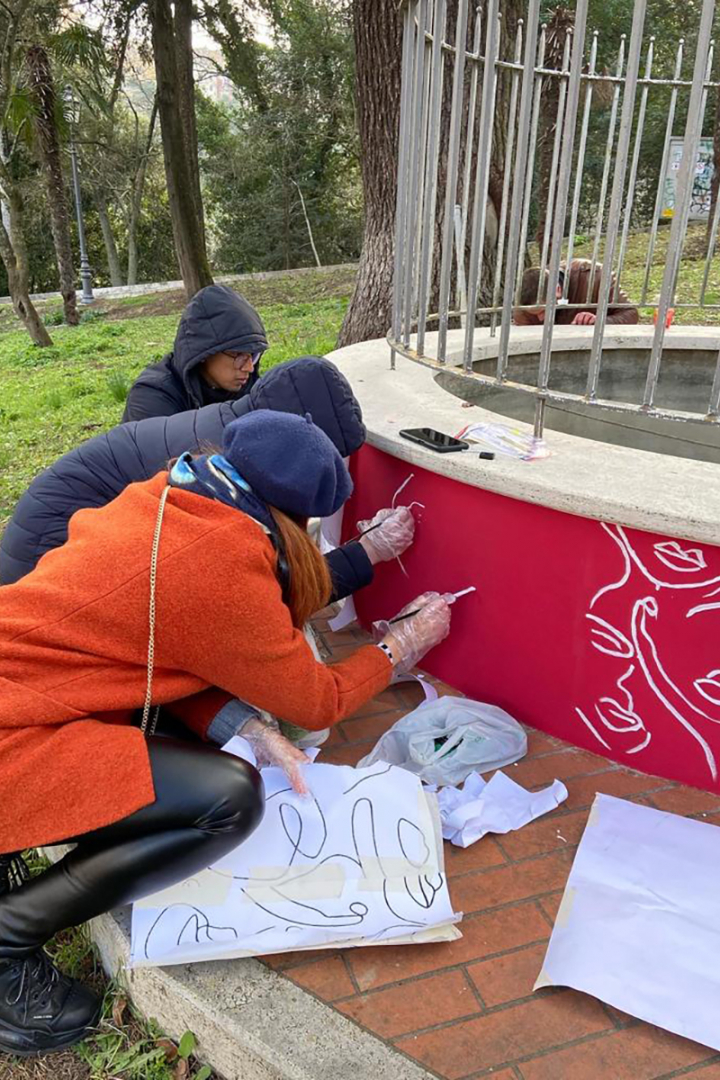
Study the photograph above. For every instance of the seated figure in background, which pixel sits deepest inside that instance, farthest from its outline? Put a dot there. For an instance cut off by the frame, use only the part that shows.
(579, 291)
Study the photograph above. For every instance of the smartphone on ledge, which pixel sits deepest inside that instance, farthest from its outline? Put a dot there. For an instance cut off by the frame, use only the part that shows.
(434, 440)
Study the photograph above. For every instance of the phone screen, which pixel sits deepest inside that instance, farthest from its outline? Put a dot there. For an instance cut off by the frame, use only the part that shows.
(437, 437)
(432, 438)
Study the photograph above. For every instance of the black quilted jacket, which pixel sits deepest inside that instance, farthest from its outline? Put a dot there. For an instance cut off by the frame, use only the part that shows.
(98, 470)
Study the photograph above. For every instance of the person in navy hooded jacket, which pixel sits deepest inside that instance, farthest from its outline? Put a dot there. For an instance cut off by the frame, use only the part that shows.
(98, 470)
(216, 358)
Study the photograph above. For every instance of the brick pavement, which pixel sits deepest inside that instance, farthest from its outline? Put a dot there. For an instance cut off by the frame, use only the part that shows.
(466, 1010)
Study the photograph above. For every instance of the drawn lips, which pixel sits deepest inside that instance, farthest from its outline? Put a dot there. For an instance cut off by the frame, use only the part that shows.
(709, 686)
(622, 719)
(675, 557)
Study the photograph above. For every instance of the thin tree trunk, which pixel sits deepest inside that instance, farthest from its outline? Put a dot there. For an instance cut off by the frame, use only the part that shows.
(377, 26)
(49, 144)
(307, 223)
(13, 249)
(286, 218)
(183, 12)
(13, 253)
(111, 251)
(137, 195)
(173, 72)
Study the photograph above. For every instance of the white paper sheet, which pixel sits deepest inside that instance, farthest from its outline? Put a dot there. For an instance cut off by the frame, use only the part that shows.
(498, 806)
(638, 926)
(360, 862)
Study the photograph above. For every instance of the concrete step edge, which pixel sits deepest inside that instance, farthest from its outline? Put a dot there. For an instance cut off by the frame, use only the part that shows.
(250, 1022)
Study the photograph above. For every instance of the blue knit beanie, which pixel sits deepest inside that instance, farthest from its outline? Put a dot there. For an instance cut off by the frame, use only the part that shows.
(288, 462)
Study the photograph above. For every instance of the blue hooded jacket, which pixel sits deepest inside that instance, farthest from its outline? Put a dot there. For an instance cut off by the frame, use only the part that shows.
(216, 319)
(97, 471)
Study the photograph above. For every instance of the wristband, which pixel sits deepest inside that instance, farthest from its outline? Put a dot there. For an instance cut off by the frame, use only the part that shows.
(387, 650)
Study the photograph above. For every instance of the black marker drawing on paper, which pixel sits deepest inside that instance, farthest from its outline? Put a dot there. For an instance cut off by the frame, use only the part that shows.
(189, 919)
(404, 897)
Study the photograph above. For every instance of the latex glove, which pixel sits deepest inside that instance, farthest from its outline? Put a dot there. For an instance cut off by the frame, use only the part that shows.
(392, 533)
(413, 637)
(272, 748)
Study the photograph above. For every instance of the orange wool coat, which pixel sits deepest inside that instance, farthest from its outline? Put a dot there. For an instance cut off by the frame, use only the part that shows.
(73, 650)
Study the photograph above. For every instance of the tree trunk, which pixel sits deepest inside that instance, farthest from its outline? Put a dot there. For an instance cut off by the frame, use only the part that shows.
(172, 48)
(185, 98)
(378, 50)
(43, 90)
(377, 26)
(136, 202)
(17, 276)
(111, 251)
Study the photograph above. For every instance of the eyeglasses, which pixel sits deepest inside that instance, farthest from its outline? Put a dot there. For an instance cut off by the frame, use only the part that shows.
(240, 359)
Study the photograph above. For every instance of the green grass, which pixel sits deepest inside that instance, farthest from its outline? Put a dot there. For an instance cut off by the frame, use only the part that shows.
(52, 399)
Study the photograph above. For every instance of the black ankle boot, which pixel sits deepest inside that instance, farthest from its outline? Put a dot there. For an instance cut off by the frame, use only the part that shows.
(41, 1009)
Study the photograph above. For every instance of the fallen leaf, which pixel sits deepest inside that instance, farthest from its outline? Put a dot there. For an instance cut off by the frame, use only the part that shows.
(118, 1011)
(171, 1050)
(180, 1072)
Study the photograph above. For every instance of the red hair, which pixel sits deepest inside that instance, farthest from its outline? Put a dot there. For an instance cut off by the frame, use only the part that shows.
(310, 585)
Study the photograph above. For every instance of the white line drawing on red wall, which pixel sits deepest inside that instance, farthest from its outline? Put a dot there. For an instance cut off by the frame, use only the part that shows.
(673, 569)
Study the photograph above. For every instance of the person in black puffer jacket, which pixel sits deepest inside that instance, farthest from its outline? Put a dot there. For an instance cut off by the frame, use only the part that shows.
(216, 358)
(97, 471)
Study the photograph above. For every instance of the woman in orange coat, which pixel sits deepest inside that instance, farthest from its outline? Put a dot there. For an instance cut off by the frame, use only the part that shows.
(188, 591)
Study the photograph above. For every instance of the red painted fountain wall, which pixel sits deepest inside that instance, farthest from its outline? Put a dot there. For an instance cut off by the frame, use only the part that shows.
(607, 637)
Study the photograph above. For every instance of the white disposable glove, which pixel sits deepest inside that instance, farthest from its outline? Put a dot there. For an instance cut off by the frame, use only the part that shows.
(272, 748)
(388, 534)
(413, 637)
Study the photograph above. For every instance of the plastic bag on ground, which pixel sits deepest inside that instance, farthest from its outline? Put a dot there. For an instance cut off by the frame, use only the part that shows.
(444, 741)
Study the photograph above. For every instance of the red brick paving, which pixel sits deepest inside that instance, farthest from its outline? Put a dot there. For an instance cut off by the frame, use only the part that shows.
(466, 1010)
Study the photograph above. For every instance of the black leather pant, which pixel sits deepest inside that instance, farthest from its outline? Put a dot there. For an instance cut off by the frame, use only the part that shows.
(206, 804)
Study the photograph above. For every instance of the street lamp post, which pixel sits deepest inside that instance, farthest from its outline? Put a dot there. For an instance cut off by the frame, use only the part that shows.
(85, 271)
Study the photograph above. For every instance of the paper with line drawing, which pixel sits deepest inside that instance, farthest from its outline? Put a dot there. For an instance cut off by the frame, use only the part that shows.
(360, 862)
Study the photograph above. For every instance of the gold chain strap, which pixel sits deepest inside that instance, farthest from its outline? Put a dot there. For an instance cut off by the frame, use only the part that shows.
(151, 638)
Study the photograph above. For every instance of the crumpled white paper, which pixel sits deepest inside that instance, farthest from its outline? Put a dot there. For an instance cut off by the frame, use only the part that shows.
(496, 806)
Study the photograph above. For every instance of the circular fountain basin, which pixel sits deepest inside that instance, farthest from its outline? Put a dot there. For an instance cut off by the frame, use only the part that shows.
(597, 611)
(686, 378)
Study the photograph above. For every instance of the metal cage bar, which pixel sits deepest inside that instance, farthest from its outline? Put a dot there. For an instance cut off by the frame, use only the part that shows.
(580, 160)
(616, 198)
(552, 180)
(663, 172)
(528, 186)
(401, 203)
(507, 173)
(686, 177)
(452, 174)
(606, 166)
(632, 180)
(482, 176)
(431, 171)
(563, 187)
(418, 101)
